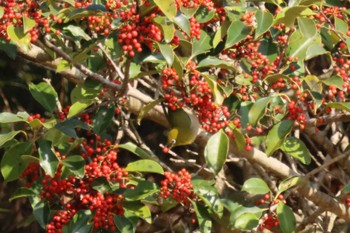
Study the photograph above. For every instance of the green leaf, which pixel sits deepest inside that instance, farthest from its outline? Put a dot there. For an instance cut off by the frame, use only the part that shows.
(18, 36)
(277, 135)
(41, 213)
(135, 150)
(167, 53)
(346, 189)
(88, 91)
(139, 210)
(79, 106)
(213, 84)
(22, 192)
(124, 224)
(203, 15)
(5, 137)
(246, 221)
(203, 217)
(244, 111)
(168, 7)
(216, 151)
(264, 20)
(289, 183)
(201, 46)
(255, 186)
(9, 48)
(183, 22)
(143, 190)
(314, 83)
(340, 25)
(220, 33)
(286, 218)
(75, 164)
(63, 65)
(297, 149)
(211, 61)
(8, 117)
(335, 80)
(288, 15)
(45, 94)
(48, 159)
(336, 105)
(236, 32)
(166, 26)
(103, 118)
(11, 164)
(81, 222)
(68, 127)
(145, 109)
(257, 111)
(314, 51)
(77, 32)
(1, 11)
(144, 165)
(28, 24)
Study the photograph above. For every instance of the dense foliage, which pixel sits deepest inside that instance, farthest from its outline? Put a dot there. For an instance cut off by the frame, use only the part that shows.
(256, 95)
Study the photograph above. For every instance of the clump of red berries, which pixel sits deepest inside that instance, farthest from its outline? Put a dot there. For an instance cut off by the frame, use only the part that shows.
(269, 221)
(178, 186)
(35, 116)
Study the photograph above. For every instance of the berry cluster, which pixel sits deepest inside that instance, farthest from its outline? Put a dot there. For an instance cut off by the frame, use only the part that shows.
(209, 4)
(269, 221)
(31, 174)
(36, 116)
(177, 186)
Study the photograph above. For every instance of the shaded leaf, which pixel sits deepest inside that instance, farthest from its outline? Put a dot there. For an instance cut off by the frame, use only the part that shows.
(203, 217)
(145, 109)
(11, 164)
(5, 137)
(183, 22)
(143, 190)
(257, 111)
(286, 218)
(335, 80)
(45, 94)
(103, 118)
(8, 117)
(76, 165)
(22, 192)
(135, 150)
(69, 126)
(124, 224)
(139, 210)
(41, 212)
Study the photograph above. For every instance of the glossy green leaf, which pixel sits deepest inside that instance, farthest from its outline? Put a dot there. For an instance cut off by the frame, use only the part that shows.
(11, 164)
(277, 135)
(28, 24)
(244, 218)
(203, 15)
(335, 80)
(201, 46)
(88, 91)
(216, 151)
(8, 117)
(264, 20)
(340, 26)
(184, 23)
(143, 190)
(135, 150)
(239, 138)
(103, 118)
(257, 111)
(18, 36)
(168, 7)
(124, 224)
(45, 94)
(236, 32)
(203, 217)
(244, 111)
(9, 48)
(341, 106)
(167, 52)
(288, 15)
(144, 165)
(297, 149)
(139, 210)
(255, 186)
(81, 222)
(77, 32)
(314, 50)
(246, 221)
(5, 137)
(307, 27)
(41, 212)
(79, 106)
(145, 109)
(68, 127)
(48, 159)
(289, 183)
(22, 192)
(76, 164)
(167, 27)
(220, 33)
(286, 218)
(212, 61)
